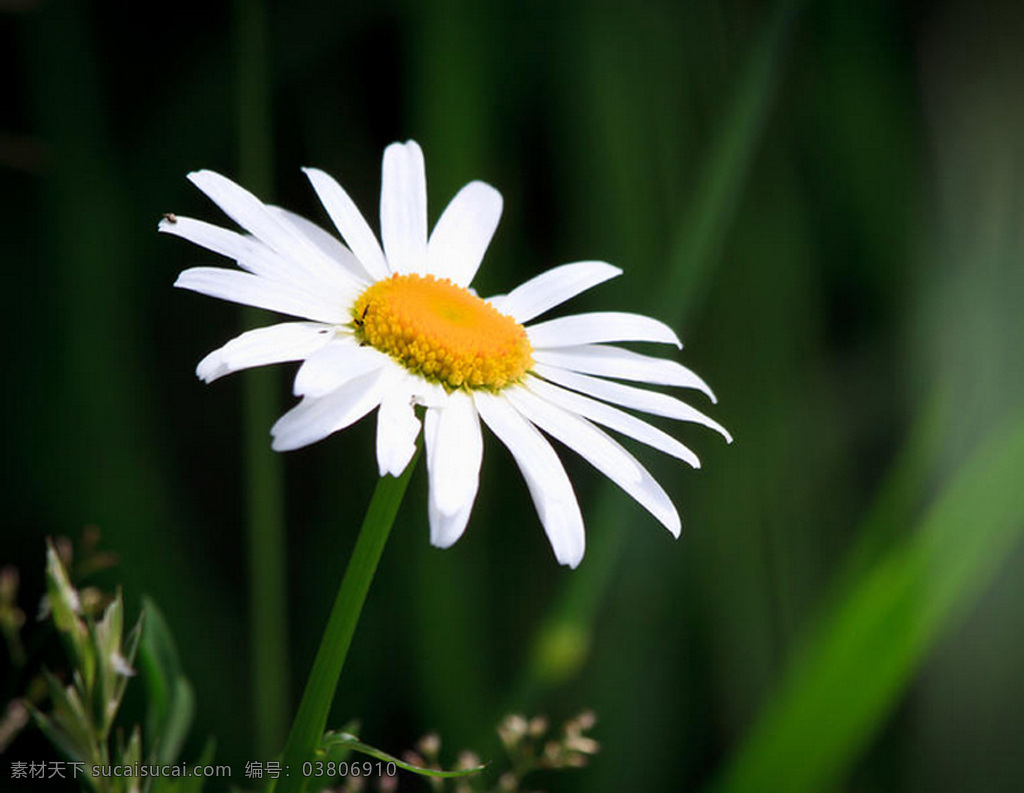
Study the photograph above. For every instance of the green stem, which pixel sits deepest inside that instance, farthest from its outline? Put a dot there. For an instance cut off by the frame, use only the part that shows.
(311, 719)
(268, 621)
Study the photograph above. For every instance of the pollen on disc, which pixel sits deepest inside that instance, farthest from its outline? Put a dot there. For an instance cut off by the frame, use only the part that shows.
(443, 332)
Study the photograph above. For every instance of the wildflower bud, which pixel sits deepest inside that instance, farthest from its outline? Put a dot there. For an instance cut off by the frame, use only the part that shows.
(92, 600)
(8, 584)
(387, 783)
(65, 551)
(413, 758)
(582, 744)
(538, 726)
(512, 729)
(507, 782)
(467, 760)
(586, 720)
(430, 745)
(14, 720)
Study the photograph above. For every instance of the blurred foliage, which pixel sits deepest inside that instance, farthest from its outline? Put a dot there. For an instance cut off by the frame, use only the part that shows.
(78, 708)
(824, 197)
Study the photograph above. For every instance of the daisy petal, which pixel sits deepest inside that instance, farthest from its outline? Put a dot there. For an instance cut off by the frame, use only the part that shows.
(576, 433)
(637, 398)
(253, 215)
(545, 477)
(403, 208)
(613, 418)
(397, 430)
(333, 366)
(463, 232)
(600, 326)
(597, 448)
(330, 245)
(258, 259)
(289, 341)
(455, 449)
(251, 290)
(623, 365)
(350, 222)
(314, 418)
(549, 289)
(446, 529)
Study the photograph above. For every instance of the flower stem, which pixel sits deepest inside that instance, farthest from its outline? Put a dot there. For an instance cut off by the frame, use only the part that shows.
(311, 720)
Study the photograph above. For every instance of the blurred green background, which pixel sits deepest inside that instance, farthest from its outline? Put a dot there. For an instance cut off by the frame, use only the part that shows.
(824, 198)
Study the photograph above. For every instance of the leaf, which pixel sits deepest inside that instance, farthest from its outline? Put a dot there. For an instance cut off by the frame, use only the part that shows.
(69, 715)
(55, 735)
(344, 739)
(864, 653)
(64, 609)
(171, 699)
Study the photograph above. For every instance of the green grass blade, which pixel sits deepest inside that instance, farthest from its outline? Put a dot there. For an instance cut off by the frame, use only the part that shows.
(852, 672)
(345, 740)
(703, 226)
(170, 698)
(264, 474)
(561, 645)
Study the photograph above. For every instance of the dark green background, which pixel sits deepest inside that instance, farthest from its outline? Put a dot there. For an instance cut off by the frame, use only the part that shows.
(826, 199)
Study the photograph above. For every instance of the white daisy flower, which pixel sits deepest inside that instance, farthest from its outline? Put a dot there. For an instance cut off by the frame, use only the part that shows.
(395, 326)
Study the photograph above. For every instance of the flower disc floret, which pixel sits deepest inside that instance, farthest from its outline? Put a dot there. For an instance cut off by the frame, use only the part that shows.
(443, 332)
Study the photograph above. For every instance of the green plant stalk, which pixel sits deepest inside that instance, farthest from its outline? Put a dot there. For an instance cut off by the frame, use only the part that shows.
(561, 645)
(266, 547)
(311, 720)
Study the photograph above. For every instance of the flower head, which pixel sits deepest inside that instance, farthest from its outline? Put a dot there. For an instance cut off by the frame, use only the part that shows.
(393, 326)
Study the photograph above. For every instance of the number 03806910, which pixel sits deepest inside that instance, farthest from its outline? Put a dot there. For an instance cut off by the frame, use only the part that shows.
(364, 768)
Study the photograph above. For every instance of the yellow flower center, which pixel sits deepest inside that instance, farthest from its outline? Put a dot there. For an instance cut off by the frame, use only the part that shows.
(442, 332)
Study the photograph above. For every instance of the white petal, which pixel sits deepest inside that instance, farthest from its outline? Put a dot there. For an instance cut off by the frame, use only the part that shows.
(333, 366)
(623, 365)
(397, 430)
(455, 449)
(613, 418)
(251, 290)
(350, 222)
(257, 258)
(403, 208)
(330, 245)
(253, 215)
(545, 477)
(638, 398)
(551, 288)
(289, 341)
(463, 232)
(576, 433)
(446, 529)
(600, 326)
(601, 451)
(314, 418)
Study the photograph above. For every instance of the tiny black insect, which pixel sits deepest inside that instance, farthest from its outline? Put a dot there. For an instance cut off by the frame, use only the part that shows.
(359, 322)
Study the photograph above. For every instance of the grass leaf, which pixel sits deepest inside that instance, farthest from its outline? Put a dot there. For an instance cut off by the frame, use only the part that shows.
(864, 653)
